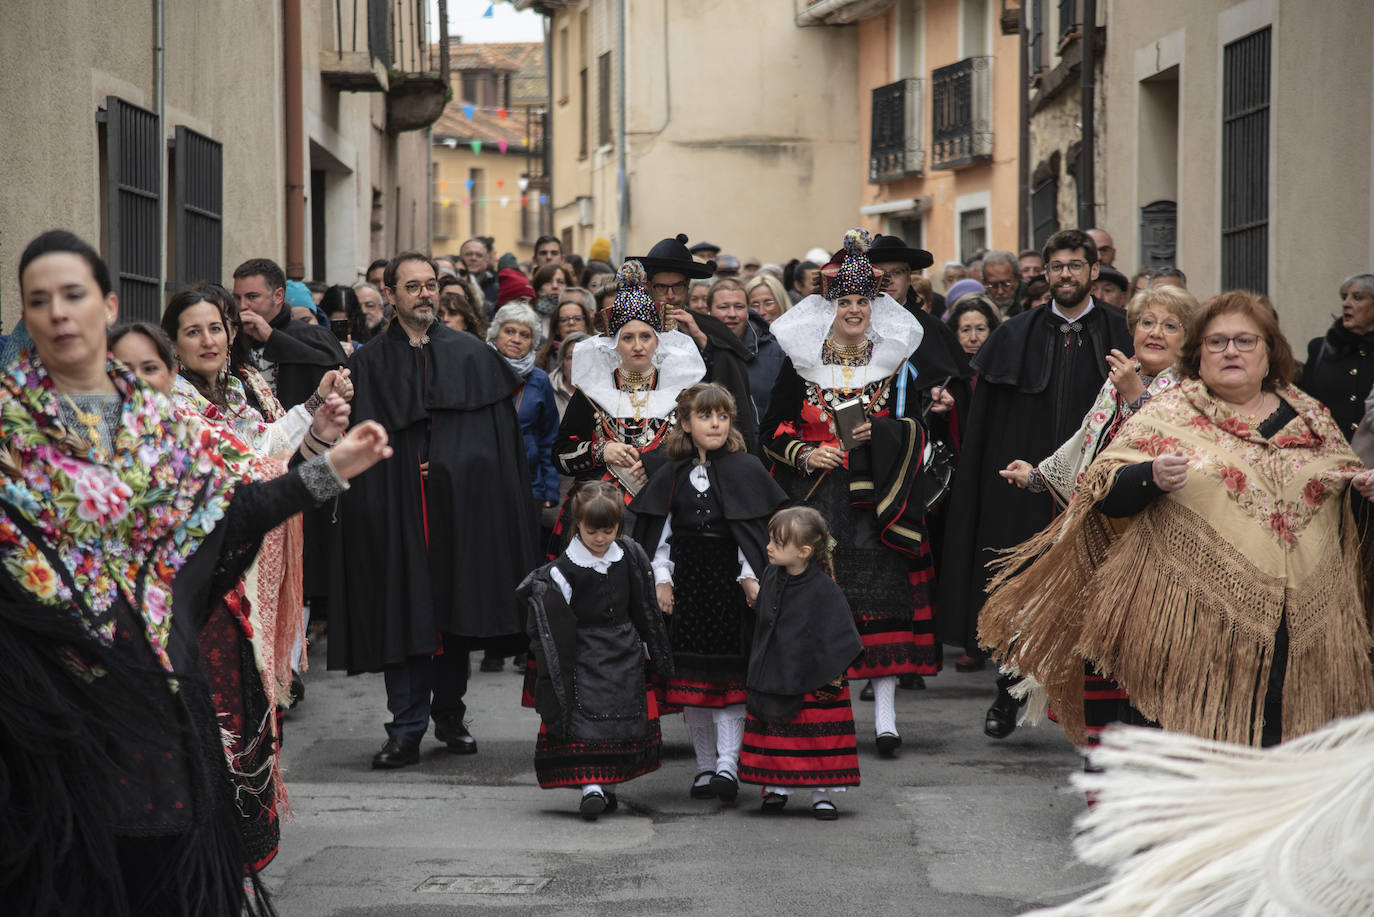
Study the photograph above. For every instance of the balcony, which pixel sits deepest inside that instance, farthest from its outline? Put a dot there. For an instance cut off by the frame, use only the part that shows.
(961, 108)
(896, 147)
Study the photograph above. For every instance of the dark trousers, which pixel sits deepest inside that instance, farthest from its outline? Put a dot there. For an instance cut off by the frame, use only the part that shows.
(425, 687)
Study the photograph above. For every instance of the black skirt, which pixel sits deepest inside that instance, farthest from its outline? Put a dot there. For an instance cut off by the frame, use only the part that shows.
(711, 624)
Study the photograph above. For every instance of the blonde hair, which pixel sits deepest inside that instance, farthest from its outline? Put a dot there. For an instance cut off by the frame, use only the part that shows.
(704, 397)
(774, 286)
(1176, 299)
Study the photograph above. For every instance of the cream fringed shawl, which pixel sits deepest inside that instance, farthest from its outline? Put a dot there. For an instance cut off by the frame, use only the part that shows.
(1180, 603)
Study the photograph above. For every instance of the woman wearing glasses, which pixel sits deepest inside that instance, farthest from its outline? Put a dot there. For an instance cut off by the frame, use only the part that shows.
(1211, 562)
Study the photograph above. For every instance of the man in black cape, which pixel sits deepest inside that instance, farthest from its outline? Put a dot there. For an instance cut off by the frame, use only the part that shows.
(669, 266)
(436, 539)
(1038, 375)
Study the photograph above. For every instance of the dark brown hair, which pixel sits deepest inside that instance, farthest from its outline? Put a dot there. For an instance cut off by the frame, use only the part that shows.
(806, 528)
(598, 505)
(1282, 367)
(701, 398)
(152, 332)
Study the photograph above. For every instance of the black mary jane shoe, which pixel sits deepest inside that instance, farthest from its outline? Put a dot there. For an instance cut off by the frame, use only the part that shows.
(773, 802)
(1001, 716)
(591, 806)
(397, 753)
(888, 743)
(611, 803)
(867, 692)
(825, 810)
(703, 790)
(452, 732)
(725, 785)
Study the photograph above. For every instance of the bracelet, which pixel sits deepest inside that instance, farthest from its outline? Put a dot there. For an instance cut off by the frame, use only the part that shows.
(1035, 481)
(599, 452)
(321, 443)
(313, 403)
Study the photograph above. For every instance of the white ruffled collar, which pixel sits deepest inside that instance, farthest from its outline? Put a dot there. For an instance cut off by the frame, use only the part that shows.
(678, 362)
(801, 332)
(577, 553)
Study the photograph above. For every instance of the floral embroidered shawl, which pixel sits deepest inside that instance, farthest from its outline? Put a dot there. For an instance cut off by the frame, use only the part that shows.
(76, 534)
(1182, 601)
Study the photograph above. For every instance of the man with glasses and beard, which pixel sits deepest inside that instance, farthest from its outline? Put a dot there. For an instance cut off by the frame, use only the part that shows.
(438, 537)
(1037, 375)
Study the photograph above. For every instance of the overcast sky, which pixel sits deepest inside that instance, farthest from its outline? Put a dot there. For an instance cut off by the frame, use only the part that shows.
(465, 19)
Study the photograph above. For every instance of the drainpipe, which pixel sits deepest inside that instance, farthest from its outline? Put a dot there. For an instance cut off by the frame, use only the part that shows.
(1087, 191)
(295, 152)
(623, 183)
(1023, 150)
(160, 104)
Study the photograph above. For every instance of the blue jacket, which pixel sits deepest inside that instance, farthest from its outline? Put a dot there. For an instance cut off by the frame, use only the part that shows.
(539, 424)
(765, 362)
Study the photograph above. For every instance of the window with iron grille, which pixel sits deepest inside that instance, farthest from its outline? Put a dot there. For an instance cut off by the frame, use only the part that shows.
(603, 94)
(133, 211)
(961, 113)
(1245, 163)
(1044, 211)
(197, 183)
(895, 147)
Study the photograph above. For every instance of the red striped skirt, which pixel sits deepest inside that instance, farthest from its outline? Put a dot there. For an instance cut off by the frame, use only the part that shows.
(898, 636)
(577, 763)
(1105, 703)
(815, 748)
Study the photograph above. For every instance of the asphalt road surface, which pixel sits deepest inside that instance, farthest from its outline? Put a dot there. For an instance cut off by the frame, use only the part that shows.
(958, 824)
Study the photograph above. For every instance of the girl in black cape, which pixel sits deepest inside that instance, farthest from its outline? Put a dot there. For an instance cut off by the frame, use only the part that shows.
(592, 617)
(704, 516)
(800, 729)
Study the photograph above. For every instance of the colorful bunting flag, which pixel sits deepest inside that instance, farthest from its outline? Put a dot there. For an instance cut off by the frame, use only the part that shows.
(468, 183)
(468, 111)
(500, 183)
(477, 147)
(503, 113)
(504, 201)
(501, 145)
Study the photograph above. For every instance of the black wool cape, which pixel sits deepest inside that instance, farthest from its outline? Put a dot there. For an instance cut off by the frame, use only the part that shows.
(422, 557)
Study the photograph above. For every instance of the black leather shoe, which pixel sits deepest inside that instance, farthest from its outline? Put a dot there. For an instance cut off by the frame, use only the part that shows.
(455, 735)
(396, 753)
(867, 692)
(592, 805)
(1001, 718)
(725, 785)
(888, 743)
(703, 790)
(297, 688)
(911, 682)
(611, 803)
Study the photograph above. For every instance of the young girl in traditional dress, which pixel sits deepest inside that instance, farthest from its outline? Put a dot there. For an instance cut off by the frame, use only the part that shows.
(704, 515)
(800, 728)
(592, 618)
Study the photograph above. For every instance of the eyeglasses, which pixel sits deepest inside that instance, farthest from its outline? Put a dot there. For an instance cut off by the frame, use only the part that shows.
(414, 287)
(1074, 266)
(1149, 323)
(570, 320)
(663, 289)
(1217, 343)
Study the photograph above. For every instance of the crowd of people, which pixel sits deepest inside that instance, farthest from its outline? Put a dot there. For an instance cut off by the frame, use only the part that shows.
(688, 482)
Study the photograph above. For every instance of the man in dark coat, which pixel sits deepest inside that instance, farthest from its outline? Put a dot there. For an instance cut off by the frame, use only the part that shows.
(436, 539)
(669, 266)
(1038, 374)
(757, 346)
(292, 355)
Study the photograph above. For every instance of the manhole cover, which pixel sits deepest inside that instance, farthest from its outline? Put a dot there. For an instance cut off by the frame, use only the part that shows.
(483, 885)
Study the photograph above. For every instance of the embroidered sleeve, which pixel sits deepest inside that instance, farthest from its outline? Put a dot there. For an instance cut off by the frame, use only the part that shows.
(321, 478)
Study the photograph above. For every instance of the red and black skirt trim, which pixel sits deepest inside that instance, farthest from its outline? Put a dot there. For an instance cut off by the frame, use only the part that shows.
(575, 763)
(815, 748)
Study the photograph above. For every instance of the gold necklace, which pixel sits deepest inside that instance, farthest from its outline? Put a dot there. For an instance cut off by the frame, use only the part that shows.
(92, 423)
(858, 351)
(637, 387)
(1258, 415)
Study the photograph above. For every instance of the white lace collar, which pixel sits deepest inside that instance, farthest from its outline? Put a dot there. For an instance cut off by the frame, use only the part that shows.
(801, 332)
(678, 362)
(577, 553)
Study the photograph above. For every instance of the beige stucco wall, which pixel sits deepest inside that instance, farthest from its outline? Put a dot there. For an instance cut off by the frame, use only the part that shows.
(743, 129)
(59, 60)
(452, 167)
(940, 33)
(1320, 140)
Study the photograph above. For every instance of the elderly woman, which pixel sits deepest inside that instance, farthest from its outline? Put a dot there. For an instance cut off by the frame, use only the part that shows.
(972, 320)
(1210, 560)
(698, 292)
(573, 316)
(560, 377)
(118, 533)
(766, 297)
(512, 333)
(1340, 365)
(844, 434)
(627, 382)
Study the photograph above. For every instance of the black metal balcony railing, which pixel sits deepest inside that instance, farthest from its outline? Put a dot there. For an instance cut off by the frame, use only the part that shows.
(961, 106)
(896, 148)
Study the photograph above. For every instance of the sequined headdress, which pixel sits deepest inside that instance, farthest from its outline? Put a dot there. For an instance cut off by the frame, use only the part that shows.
(849, 273)
(632, 302)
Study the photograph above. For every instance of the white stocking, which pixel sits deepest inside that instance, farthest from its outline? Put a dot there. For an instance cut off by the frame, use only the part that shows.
(590, 788)
(703, 733)
(884, 704)
(729, 737)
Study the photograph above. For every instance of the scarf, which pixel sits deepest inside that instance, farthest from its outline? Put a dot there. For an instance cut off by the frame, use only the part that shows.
(521, 367)
(1065, 468)
(1181, 602)
(77, 535)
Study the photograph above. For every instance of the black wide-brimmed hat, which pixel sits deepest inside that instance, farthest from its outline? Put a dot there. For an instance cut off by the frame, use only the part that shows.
(894, 248)
(673, 255)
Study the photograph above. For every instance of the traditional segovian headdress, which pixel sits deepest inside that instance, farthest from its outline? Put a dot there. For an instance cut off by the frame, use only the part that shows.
(632, 302)
(849, 273)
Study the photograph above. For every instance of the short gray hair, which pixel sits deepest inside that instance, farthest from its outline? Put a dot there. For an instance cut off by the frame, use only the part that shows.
(514, 313)
(588, 300)
(998, 256)
(1364, 281)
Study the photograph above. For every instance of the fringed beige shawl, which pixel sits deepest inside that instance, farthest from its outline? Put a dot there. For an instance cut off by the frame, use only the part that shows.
(1181, 602)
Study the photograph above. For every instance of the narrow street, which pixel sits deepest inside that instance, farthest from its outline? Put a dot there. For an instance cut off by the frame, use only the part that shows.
(958, 825)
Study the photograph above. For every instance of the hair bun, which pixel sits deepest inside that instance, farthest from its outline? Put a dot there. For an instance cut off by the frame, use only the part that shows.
(682, 237)
(632, 272)
(857, 241)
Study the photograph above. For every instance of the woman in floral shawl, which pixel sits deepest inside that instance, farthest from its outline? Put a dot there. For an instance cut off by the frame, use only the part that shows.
(1210, 560)
(117, 527)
